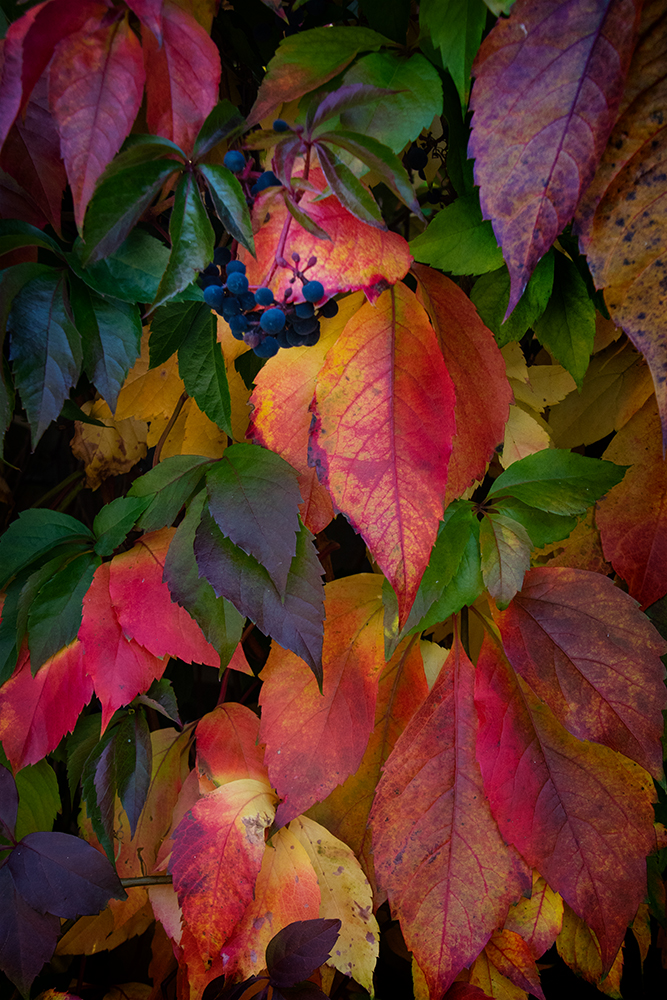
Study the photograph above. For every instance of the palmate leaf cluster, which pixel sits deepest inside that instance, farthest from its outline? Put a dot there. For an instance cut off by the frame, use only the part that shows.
(361, 642)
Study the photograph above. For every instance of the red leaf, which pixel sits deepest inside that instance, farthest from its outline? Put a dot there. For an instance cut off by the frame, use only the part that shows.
(382, 437)
(182, 77)
(448, 874)
(120, 669)
(578, 812)
(356, 257)
(144, 607)
(477, 368)
(36, 712)
(583, 646)
(96, 82)
(513, 959)
(549, 81)
(217, 855)
(314, 741)
(11, 87)
(31, 155)
(149, 13)
(622, 216)
(228, 745)
(632, 518)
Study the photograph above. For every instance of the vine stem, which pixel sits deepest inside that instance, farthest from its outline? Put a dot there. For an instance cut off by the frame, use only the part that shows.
(166, 432)
(280, 249)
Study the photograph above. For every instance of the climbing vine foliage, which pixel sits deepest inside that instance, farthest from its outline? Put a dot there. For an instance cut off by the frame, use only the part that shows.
(332, 565)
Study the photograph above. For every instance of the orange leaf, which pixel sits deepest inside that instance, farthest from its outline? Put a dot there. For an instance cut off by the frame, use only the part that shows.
(539, 919)
(356, 257)
(448, 874)
(382, 438)
(314, 741)
(474, 361)
(227, 745)
(632, 518)
(622, 216)
(513, 959)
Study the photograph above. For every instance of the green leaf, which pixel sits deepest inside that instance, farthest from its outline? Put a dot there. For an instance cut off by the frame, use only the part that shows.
(229, 202)
(55, 613)
(117, 205)
(170, 326)
(9, 639)
(161, 697)
(567, 326)
(558, 481)
(115, 520)
(350, 192)
(455, 28)
(505, 549)
(140, 149)
(192, 240)
(223, 121)
(79, 746)
(458, 240)
(33, 535)
(391, 17)
(39, 799)
(491, 295)
(219, 620)
(308, 59)
(45, 350)
(71, 411)
(542, 526)
(400, 117)
(343, 98)
(303, 219)
(379, 158)
(459, 167)
(201, 365)
(14, 234)
(132, 272)
(169, 485)
(111, 337)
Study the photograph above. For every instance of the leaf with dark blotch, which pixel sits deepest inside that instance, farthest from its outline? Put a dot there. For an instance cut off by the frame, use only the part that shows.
(223, 120)
(300, 948)
(27, 938)
(45, 350)
(254, 499)
(9, 804)
(61, 874)
(192, 240)
(350, 192)
(219, 620)
(55, 613)
(201, 365)
(124, 769)
(132, 273)
(294, 621)
(229, 202)
(115, 521)
(169, 485)
(111, 338)
(353, 95)
(118, 203)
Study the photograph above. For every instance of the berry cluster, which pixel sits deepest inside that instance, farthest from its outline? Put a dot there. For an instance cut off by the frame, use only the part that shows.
(255, 317)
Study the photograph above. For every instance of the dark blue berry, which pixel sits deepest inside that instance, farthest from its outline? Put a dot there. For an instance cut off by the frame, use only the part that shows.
(222, 256)
(280, 125)
(415, 158)
(237, 283)
(303, 327)
(247, 301)
(311, 339)
(235, 266)
(214, 296)
(238, 325)
(207, 280)
(305, 310)
(282, 338)
(313, 291)
(293, 338)
(329, 309)
(234, 161)
(211, 269)
(272, 321)
(264, 296)
(230, 307)
(266, 180)
(267, 348)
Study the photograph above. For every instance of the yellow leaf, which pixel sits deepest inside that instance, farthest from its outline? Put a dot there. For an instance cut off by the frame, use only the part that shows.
(239, 394)
(539, 919)
(149, 394)
(525, 434)
(346, 895)
(546, 385)
(433, 657)
(111, 450)
(484, 974)
(578, 947)
(192, 434)
(582, 549)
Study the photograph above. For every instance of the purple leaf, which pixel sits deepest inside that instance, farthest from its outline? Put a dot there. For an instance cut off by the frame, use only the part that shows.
(27, 939)
(342, 99)
(60, 874)
(9, 804)
(124, 768)
(300, 948)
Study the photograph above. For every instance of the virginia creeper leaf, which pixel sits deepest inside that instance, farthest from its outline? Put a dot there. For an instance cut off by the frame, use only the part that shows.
(45, 349)
(539, 919)
(586, 650)
(11, 85)
(55, 613)
(229, 202)
(458, 240)
(223, 121)
(567, 325)
(579, 948)
(182, 76)
(253, 497)
(314, 741)
(295, 620)
(547, 89)
(170, 327)
(350, 192)
(96, 82)
(139, 149)
(201, 365)
(542, 527)
(455, 29)
(562, 802)
(115, 521)
(228, 746)
(295, 952)
(341, 99)
(505, 548)
(124, 769)
(14, 233)
(27, 938)
(131, 273)
(35, 532)
(191, 240)
(149, 13)
(381, 444)
(169, 485)
(491, 294)
(512, 957)
(9, 803)
(39, 799)
(432, 827)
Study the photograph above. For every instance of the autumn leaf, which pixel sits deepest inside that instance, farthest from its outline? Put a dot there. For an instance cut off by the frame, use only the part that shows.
(433, 828)
(228, 745)
(579, 948)
(539, 127)
(358, 256)
(384, 422)
(538, 919)
(512, 957)
(110, 450)
(314, 741)
(579, 812)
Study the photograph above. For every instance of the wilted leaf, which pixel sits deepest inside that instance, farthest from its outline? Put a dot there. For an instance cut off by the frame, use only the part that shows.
(111, 450)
